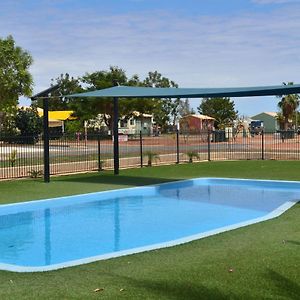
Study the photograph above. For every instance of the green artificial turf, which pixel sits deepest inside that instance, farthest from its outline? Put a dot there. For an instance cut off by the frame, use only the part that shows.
(261, 261)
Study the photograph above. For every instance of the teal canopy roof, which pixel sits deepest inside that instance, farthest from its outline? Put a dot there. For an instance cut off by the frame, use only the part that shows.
(148, 92)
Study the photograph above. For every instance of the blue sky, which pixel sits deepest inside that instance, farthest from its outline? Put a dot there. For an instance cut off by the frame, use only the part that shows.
(197, 43)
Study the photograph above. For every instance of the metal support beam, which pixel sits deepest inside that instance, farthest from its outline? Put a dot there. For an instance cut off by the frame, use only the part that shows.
(116, 136)
(46, 140)
(45, 96)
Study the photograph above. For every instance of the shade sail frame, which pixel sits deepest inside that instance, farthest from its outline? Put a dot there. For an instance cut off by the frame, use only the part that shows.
(149, 92)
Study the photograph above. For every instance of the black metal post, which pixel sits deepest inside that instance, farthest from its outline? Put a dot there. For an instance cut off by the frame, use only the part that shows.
(99, 154)
(141, 148)
(262, 145)
(116, 136)
(177, 146)
(208, 146)
(46, 140)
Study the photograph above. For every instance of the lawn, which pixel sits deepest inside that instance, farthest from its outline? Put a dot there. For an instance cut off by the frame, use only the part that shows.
(264, 259)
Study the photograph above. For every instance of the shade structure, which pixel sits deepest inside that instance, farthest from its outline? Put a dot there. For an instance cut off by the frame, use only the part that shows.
(148, 92)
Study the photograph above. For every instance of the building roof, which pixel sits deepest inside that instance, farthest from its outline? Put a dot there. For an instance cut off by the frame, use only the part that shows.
(201, 117)
(272, 114)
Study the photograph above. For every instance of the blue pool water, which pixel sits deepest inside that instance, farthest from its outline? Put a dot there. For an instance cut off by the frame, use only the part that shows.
(55, 233)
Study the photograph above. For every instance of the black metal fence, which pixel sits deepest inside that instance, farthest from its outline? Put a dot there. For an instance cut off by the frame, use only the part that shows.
(79, 153)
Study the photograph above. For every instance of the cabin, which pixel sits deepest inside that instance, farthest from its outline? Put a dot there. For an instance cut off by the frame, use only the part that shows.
(196, 123)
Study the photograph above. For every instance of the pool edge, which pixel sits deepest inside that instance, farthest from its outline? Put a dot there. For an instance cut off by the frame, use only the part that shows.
(274, 214)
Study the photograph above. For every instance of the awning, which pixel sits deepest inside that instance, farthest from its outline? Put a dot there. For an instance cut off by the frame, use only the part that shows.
(61, 115)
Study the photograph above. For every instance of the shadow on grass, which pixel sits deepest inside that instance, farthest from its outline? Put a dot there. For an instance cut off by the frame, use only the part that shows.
(182, 290)
(293, 242)
(111, 179)
(163, 289)
(286, 286)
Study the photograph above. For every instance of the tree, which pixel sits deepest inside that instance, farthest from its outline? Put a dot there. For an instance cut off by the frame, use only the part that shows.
(24, 127)
(222, 109)
(185, 108)
(89, 108)
(288, 106)
(15, 78)
(163, 109)
(28, 122)
(67, 85)
(280, 120)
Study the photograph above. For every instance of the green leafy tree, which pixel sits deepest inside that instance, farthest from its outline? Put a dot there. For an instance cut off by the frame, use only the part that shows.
(7, 121)
(89, 108)
(222, 109)
(141, 105)
(67, 85)
(28, 122)
(15, 78)
(163, 109)
(288, 106)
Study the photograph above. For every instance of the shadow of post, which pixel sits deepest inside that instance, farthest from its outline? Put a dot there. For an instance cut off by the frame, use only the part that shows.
(286, 286)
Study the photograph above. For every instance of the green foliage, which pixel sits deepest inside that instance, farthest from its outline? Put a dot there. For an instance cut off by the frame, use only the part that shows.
(101, 165)
(288, 106)
(13, 157)
(74, 126)
(163, 109)
(15, 78)
(222, 109)
(191, 155)
(35, 173)
(67, 85)
(151, 157)
(22, 126)
(7, 120)
(28, 122)
(89, 108)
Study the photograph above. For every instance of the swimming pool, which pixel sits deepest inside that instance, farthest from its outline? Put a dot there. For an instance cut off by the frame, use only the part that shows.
(56, 233)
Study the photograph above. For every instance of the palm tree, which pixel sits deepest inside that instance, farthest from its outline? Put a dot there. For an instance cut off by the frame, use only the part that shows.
(288, 105)
(151, 156)
(191, 155)
(280, 120)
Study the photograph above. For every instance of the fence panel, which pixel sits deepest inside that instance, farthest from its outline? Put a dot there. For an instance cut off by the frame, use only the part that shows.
(71, 153)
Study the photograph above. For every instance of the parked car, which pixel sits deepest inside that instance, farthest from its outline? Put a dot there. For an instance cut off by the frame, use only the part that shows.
(256, 127)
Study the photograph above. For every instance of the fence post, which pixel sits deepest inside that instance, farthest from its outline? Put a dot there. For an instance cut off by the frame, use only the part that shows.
(99, 153)
(177, 146)
(141, 148)
(208, 145)
(262, 145)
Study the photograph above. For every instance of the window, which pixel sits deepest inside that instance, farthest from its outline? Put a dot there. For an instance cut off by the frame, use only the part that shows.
(123, 123)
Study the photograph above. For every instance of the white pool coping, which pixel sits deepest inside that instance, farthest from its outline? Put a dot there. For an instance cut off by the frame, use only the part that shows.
(275, 213)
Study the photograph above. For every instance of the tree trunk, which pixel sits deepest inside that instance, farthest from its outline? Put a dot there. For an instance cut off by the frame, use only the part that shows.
(286, 123)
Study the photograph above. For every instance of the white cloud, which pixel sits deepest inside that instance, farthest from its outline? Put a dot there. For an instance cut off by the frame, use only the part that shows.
(248, 49)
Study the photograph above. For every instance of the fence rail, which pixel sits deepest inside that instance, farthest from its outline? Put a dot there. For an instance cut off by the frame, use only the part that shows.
(71, 154)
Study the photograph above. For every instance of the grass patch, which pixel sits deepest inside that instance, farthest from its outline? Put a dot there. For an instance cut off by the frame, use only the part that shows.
(264, 257)
(28, 189)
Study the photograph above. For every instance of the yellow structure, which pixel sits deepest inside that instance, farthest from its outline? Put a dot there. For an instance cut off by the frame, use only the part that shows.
(57, 117)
